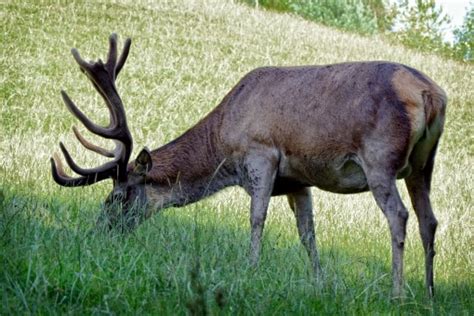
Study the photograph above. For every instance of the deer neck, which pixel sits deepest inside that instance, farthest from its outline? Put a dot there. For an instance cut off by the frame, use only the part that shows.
(189, 169)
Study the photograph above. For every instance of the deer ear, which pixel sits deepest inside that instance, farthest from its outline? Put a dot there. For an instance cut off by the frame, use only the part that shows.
(143, 163)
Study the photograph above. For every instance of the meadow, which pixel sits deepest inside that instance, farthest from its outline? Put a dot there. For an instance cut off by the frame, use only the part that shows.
(186, 55)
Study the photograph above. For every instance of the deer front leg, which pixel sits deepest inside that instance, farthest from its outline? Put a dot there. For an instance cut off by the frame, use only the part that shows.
(302, 206)
(259, 177)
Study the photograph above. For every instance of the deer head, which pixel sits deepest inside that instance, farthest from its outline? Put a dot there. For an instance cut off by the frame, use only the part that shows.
(128, 194)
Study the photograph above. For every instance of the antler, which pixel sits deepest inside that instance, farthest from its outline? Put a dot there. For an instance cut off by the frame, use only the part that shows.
(103, 78)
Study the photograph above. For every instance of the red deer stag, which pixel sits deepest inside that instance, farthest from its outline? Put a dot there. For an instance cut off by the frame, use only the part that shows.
(344, 128)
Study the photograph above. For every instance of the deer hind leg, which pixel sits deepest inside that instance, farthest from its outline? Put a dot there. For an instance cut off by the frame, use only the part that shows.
(388, 199)
(258, 179)
(418, 185)
(301, 204)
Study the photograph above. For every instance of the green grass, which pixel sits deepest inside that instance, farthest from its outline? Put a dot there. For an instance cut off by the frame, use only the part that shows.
(185, 57)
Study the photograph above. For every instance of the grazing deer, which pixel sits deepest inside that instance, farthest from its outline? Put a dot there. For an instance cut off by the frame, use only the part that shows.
(344, 128)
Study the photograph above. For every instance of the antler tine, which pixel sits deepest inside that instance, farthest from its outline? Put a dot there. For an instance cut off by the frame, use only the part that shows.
(94, 128)
(87, 69)
(112, 65)
(123, 56)
(61, 178)
(112, 55)
(107, 167)
(90, 146)
(82, 63)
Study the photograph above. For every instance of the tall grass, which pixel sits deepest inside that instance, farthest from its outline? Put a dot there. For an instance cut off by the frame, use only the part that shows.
(185, 56)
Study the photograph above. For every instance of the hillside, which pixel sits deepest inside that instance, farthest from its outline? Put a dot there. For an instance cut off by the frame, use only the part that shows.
(186, 55)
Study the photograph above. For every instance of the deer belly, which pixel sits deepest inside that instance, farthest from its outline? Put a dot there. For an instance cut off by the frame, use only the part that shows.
(341, 175)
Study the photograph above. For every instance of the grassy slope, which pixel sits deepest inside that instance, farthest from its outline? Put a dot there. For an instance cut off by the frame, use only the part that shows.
(184, 59)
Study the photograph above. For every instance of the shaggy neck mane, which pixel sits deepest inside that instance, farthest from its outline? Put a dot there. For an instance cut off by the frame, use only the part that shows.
(192, 166)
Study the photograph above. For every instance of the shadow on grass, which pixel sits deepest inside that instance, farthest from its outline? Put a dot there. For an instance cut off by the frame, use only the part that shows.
(192, 260)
